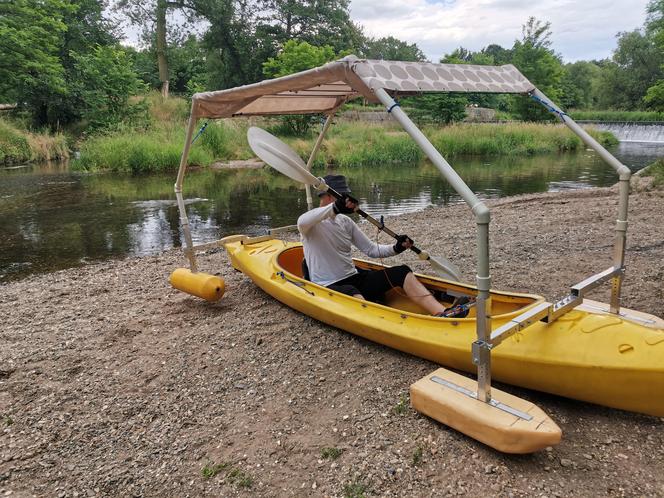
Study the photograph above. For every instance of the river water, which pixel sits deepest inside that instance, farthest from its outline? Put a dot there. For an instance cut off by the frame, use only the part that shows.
(52, 218)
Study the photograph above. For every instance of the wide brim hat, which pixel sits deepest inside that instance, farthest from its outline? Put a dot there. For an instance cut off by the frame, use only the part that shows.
(336, 182)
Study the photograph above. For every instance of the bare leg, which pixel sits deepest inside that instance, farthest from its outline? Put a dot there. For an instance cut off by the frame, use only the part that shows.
(418, 293)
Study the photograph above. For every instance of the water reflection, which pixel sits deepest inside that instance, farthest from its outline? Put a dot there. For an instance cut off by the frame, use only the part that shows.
(52, 219)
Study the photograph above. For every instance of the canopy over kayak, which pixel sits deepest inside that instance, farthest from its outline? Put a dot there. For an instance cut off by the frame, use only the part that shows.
(324, 89)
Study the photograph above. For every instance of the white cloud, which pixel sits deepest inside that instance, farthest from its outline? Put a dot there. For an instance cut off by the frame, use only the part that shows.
(582, 30)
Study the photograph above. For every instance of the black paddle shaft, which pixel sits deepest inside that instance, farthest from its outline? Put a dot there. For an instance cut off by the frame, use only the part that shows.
(370, 219)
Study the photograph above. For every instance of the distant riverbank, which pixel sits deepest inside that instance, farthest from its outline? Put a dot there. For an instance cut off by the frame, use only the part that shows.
(346, 144)
(18, 145)
(157, 146)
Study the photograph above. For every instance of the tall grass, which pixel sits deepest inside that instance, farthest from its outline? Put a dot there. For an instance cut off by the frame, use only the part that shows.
(617, 115)
(130, 153)
(18, 145)
(14, 146)
(656, 170)
(160, 148)
(508, 139)
(347, 144)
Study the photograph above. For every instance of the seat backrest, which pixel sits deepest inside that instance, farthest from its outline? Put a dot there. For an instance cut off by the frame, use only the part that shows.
(305, 270)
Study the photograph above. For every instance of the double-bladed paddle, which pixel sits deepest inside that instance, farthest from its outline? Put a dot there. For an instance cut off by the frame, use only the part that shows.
(285, 160)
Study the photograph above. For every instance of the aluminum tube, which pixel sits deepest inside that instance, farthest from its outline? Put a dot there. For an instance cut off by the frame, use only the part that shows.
(483, 312)
(185, 151)
(482, 217)
(312, 156)
(583, 134)
(439, 161)
(624, 173)
(184, 221)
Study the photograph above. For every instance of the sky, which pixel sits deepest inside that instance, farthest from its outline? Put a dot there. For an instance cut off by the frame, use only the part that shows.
(581, 29)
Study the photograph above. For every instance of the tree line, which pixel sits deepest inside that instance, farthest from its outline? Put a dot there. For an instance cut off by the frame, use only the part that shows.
(64, 64)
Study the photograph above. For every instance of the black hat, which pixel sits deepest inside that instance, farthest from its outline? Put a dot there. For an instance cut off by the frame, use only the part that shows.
(337, 182)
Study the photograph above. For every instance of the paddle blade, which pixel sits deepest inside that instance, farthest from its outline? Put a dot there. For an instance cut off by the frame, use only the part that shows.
(445, 268)
(280, 156)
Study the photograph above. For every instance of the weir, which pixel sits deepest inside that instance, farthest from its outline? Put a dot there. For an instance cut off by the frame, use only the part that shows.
(630, 131)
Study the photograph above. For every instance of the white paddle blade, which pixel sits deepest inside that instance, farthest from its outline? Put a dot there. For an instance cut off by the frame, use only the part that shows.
(445, 268)
(280, 156)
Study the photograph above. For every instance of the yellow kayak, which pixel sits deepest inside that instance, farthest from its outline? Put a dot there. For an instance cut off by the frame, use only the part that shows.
(587, 354)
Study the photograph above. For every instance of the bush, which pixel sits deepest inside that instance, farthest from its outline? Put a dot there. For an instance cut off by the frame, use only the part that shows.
(19, 146)
(136, 154)
(14, 146)
(656, 170)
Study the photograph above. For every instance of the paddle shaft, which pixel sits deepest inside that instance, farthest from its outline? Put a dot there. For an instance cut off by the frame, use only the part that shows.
(371, 219)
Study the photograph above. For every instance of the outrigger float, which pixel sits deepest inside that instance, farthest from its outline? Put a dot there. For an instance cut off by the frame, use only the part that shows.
(582, 349)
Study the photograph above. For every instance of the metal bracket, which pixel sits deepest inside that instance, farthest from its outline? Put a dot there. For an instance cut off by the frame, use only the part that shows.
(525, 319)
(480, 351)
(596, 280)
(471, 394)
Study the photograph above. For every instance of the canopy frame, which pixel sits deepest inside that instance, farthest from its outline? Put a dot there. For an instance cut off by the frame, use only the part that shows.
(324, 89)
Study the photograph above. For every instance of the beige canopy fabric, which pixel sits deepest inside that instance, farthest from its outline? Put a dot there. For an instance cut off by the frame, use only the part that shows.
(323, 89)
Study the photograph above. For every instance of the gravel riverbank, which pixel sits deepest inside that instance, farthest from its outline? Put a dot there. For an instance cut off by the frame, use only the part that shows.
(114, 384)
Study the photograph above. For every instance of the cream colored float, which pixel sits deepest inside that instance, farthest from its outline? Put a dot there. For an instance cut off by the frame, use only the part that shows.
(508, 424)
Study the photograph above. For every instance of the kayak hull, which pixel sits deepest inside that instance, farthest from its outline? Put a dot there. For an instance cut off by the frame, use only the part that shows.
(587, 354)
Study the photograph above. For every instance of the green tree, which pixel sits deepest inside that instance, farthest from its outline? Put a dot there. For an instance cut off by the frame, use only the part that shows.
(237, 43)
(498, 54)
(31, 36)
(580, 84)
(104, 82)
(294, 57)
(187, 65)
(317, 22)
(87, 29)
(297, 56)
(533, 56)
(635, 67)
(391, 49)
(151, 16)
(441, 108)
(655, 28)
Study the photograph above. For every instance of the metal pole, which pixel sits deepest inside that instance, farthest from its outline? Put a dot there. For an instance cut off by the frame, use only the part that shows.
(481, 348)
(312, 156)
(624, 175)
(184, 221)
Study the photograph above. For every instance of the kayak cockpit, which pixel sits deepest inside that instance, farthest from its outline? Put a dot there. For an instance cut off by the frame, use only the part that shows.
(290, 261)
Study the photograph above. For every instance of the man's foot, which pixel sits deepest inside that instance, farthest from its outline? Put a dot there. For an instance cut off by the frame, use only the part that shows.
(459, 309)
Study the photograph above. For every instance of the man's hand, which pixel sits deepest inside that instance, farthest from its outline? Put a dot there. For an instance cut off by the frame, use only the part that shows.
(403, 242)
(345, 204)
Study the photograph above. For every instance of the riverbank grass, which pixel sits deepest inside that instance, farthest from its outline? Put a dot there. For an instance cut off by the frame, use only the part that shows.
(160, 148)
(347, 144)
(617, 116)
(656, 170)
(20, 146)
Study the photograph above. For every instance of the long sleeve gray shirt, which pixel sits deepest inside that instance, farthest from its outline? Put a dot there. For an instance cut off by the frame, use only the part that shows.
(328, 238)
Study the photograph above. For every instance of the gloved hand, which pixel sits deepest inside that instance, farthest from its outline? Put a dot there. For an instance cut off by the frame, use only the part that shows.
(341, 205)
(403, 242)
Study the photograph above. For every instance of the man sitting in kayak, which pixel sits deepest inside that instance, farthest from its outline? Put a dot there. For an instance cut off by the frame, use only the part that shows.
(328, 235)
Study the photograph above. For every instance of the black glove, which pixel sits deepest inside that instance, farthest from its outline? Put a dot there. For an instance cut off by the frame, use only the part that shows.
(398, 247)
(340, 205)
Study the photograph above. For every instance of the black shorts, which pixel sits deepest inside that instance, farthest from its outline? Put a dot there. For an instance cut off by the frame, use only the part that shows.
(372, 284)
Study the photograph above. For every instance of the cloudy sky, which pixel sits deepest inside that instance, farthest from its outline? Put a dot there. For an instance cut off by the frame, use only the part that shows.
(582, 29)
